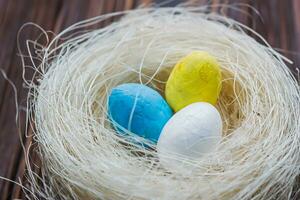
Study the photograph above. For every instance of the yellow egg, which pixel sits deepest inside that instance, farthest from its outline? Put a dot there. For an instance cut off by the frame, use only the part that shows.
(195, 78)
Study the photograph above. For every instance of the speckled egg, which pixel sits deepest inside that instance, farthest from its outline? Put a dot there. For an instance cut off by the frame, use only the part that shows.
(192, 132)
(195, 78)
(138, 109)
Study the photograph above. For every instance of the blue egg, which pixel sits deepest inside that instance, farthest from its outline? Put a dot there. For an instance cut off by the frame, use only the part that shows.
(139, 109)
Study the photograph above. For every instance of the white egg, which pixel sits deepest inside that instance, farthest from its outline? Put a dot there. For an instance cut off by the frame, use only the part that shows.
(190, 133)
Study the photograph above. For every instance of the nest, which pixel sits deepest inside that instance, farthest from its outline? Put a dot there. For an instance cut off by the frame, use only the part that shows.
(82, 156)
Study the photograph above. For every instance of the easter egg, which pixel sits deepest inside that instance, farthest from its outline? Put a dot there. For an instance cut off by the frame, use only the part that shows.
(190, 133)
(195, 78)
(138, 109)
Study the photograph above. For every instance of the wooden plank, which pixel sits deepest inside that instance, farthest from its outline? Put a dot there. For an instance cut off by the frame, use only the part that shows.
(296, 34)
(279, 27)
(16, 13)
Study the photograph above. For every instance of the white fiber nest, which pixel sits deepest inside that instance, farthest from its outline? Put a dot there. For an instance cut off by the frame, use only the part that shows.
(82, 156)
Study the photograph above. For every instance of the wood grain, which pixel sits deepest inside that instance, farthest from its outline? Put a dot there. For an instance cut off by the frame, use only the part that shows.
(278, 21)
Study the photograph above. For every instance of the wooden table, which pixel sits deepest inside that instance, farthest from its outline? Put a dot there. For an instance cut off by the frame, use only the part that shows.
(278, 21)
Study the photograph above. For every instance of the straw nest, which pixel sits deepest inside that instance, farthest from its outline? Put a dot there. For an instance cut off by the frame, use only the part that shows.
(83, 158)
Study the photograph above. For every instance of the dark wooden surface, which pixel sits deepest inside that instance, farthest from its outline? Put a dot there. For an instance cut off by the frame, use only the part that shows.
(278, 21)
